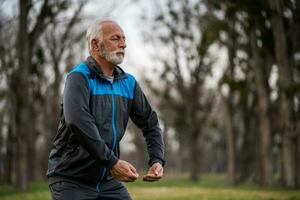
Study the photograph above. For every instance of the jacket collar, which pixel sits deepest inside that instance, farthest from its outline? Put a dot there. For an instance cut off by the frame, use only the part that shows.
(118, 72)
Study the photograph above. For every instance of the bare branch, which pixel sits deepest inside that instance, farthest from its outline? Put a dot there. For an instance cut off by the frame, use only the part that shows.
(41, 21)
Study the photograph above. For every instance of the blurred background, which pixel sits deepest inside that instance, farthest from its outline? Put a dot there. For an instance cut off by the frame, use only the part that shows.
(224, 77)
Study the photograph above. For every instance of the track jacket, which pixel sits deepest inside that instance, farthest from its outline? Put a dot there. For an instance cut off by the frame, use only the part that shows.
(93, 120)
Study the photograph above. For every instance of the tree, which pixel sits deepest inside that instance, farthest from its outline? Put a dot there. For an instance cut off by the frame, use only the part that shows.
(261, 112)
(20, 64)
(285, 83)
(58, 56)
(182, 79)
(269, 38)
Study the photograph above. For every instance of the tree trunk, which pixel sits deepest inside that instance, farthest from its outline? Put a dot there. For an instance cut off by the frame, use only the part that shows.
(297, 160)
(231, 149)
(248, 154)
(31, 157)
(194, 159)
(263, 107)
(2, 172)
(229, 114)
(22, 97)
(296, 34)
(285, 81)
(10, 145)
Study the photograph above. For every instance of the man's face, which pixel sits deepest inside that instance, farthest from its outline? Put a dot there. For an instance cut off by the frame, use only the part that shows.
(112, 46)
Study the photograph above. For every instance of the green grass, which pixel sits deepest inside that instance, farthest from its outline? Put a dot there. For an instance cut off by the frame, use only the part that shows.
(211, 187)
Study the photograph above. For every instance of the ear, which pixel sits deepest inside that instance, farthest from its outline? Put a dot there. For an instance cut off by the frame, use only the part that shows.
(95, 44)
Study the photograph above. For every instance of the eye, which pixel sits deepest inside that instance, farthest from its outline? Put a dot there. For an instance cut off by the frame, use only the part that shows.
(115, 39)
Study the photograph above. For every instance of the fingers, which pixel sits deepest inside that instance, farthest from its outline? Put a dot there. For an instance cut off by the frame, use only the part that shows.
(153, 177)
(133, 171)
(124, 171)
(149, 178)
(124, 178)
(132, 168)
(131, 176)
(154, 173)
(127, 179)
(158, 170)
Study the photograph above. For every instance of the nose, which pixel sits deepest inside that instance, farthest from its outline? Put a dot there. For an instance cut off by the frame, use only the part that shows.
(122, 44)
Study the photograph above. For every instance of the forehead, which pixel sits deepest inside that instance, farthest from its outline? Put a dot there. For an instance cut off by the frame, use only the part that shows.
(111, 28)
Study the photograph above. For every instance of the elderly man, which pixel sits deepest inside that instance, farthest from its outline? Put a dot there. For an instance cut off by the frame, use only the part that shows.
(98, 99)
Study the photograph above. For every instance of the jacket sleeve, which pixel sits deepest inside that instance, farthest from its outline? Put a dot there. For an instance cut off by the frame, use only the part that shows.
(146, 119)
(76, 99)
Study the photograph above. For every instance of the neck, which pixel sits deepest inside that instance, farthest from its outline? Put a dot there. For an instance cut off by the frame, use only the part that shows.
(106, 67)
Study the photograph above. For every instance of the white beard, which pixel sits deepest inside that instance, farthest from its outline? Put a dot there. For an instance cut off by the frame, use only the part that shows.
(115, 57)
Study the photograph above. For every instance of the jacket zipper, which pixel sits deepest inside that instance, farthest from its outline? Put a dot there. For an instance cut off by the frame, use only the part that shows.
(102, 176)
(113, 118)
(114, 133)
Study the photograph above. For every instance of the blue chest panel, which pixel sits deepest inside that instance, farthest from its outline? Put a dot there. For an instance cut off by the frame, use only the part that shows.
(122, 87)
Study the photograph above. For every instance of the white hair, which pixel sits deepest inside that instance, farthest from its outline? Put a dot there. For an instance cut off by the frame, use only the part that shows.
(95, 31)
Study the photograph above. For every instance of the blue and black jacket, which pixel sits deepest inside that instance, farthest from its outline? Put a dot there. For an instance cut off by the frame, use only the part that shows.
(93, 120)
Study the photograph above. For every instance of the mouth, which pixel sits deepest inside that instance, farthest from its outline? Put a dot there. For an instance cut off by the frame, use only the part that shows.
(120, 53)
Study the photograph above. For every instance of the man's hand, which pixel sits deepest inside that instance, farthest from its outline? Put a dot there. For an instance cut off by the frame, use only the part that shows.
(155, 173)
(124, 171)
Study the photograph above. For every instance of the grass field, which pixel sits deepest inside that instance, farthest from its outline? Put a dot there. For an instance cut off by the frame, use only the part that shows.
(211, 187)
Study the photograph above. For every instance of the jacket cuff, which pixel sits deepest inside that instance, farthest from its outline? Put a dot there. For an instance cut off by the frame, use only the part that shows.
(155, 160)
(111, 162)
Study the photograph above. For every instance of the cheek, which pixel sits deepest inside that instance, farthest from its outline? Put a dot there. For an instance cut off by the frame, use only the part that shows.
(110, 46)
